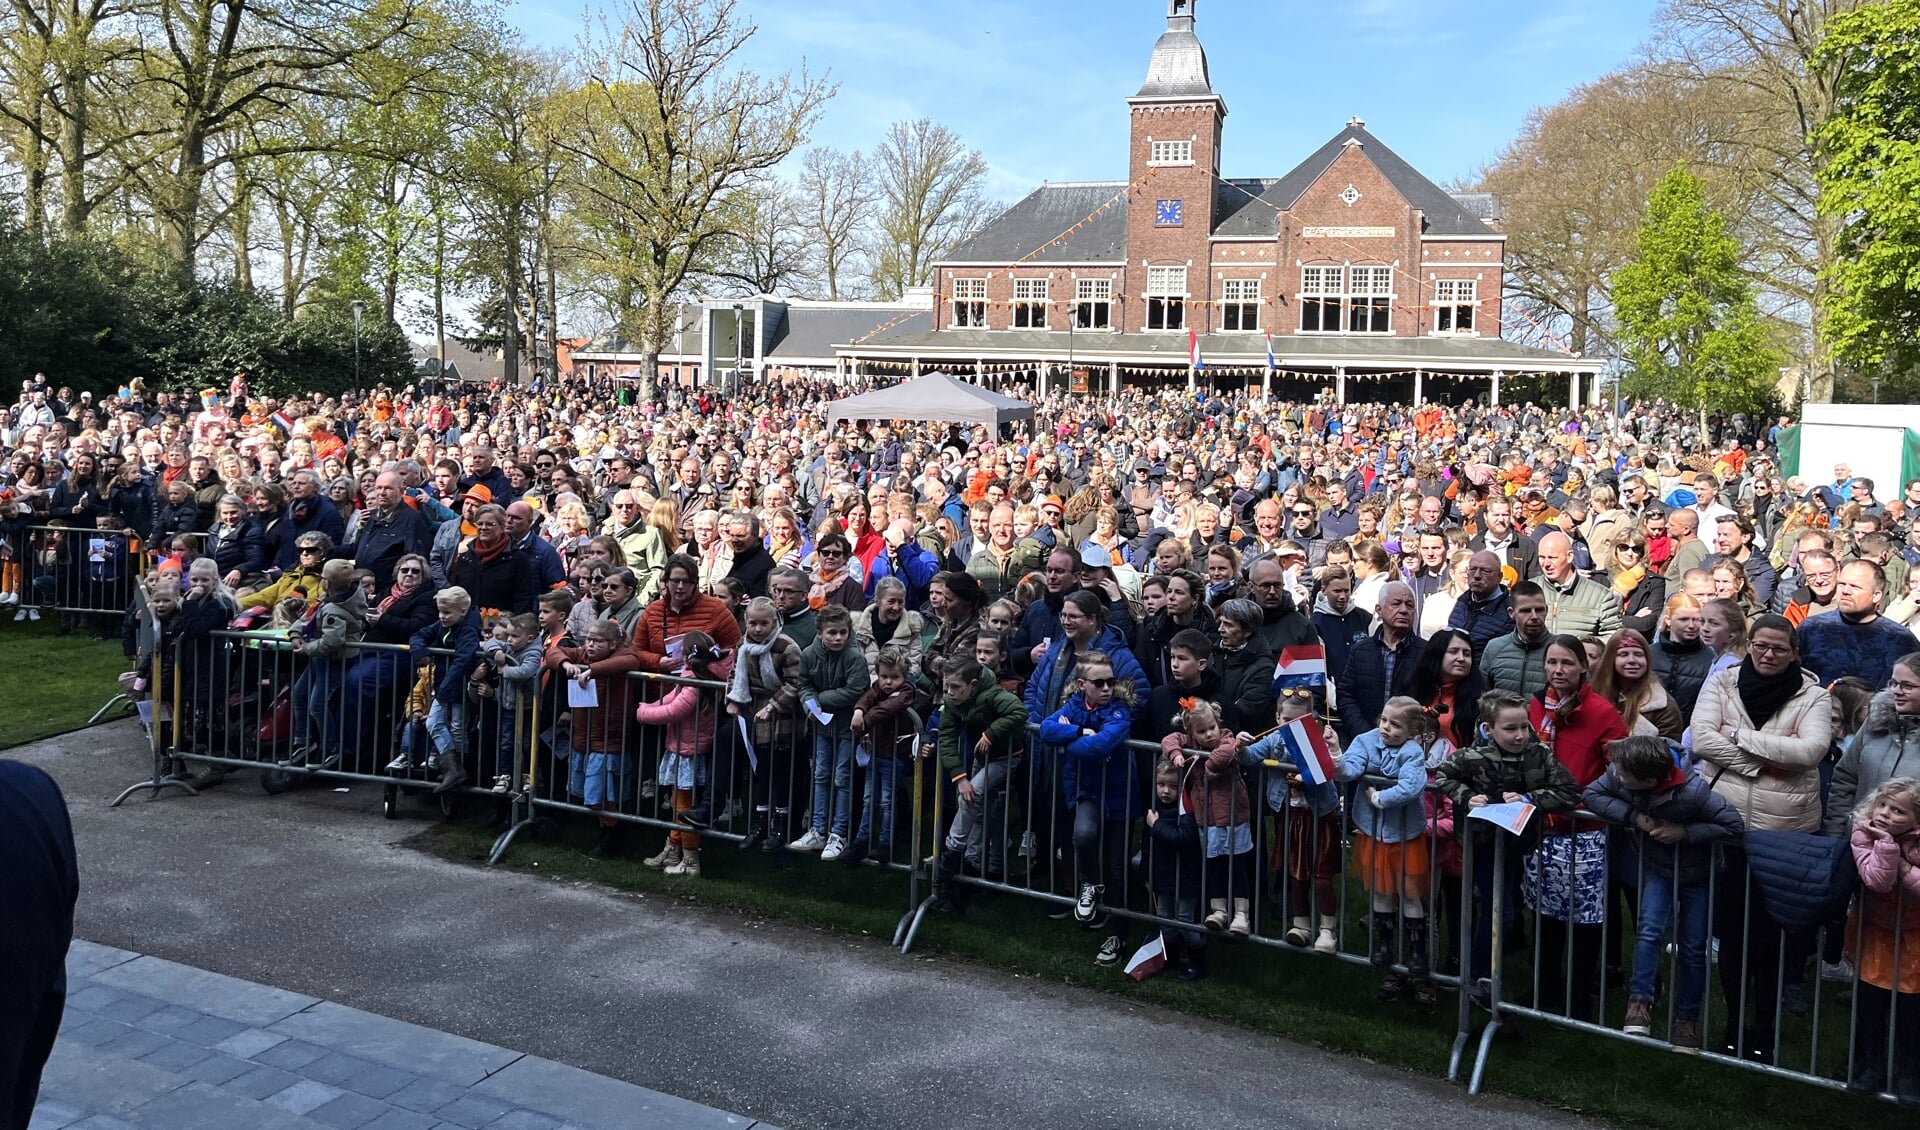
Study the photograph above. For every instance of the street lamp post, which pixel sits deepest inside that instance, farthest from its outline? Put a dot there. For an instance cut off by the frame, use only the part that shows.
(358, 307)
(1073, 317)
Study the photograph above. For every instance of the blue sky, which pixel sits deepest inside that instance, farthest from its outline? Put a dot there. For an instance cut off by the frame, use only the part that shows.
(1040, 88)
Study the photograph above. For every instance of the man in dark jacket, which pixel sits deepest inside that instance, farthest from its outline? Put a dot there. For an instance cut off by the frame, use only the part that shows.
(548, 571)
(1339, 622)
(751, 561)
(39, 884)
(1041, 622)
(1482, 611)
(1381, 665)
(1514, 548)
(390, 531)
(482, 471)
(312, 510)
(1285, 625)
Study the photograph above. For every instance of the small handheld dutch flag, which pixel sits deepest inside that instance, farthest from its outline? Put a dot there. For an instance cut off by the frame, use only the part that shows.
(1304, 742)
(1193, 349)
(283, 421)
(1301, 665)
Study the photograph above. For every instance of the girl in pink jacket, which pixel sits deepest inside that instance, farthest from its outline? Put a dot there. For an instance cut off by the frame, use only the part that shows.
(689, 711)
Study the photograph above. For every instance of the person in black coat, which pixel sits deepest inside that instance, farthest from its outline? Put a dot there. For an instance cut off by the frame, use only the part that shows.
(1246, 668)
(234, 543)
(1679, 657)
(496, 575)
(390, 529)
(39, 884)
(1380, 666)
(377, 682)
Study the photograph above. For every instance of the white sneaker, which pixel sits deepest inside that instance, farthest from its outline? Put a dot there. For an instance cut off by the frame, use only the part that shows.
(503, 784)
(32, 614)
(1027, 845)
(1841, 970)
(835, 845)
(1089, 900)
(812, 841)
(9, 598)
(400, 764)
(21, 615)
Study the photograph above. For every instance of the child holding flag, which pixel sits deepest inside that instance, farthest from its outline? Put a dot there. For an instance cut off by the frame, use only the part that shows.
(1215, 792)
(1303, 794)
(1391, 847)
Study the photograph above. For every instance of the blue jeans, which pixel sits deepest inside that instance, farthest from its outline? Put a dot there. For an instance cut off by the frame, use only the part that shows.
(313, 694)
(447, 725)
(1182, 906)
(880, 778)
(832, 765)
(1656, 911)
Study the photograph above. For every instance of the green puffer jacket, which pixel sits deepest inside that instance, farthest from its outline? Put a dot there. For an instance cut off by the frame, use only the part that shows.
(992, 711)
(1487, 770)
(1511, 665)
(835, 680)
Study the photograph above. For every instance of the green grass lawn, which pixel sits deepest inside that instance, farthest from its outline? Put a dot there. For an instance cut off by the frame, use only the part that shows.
(55, 682)
(1300, 996)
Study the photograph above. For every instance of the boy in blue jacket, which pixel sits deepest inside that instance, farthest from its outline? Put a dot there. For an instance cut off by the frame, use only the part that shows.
(1672, 819)
(1098, 785)
(457, 630)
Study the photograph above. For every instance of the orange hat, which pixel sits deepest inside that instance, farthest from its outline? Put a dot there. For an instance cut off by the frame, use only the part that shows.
(478, 492)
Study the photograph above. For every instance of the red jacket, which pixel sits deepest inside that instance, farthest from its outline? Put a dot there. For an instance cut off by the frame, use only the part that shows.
(1580, 742)
(659, 626)
(602, 728)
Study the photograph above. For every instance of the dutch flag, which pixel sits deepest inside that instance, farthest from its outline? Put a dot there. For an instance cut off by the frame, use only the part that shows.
(1193, 349)
(284, 422)
(1302, 740)
(1301, 665)
(1271, 366)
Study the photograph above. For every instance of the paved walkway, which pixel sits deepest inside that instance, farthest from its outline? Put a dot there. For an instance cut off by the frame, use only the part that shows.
(149, 1044)
(810, 1030)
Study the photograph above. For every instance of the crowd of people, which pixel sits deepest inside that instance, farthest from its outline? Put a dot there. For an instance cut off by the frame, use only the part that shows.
(1635, 616)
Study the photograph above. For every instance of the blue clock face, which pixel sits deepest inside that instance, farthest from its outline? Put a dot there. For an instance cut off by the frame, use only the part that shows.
(1168, 213)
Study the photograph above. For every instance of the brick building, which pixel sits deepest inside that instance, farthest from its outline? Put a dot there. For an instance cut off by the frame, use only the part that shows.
(1351, 267)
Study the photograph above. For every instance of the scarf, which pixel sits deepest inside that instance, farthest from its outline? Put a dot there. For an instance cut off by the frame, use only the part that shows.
(750, 658)
(1765, 695)
(1554, 711)
(1626, 579)
(825, 585)
(487, 553)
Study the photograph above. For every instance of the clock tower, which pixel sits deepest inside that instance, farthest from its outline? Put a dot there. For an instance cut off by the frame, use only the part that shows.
(1174, 161)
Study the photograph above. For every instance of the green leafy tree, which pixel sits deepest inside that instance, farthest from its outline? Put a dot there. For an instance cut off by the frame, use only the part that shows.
(1870, 184)
(1688, 322)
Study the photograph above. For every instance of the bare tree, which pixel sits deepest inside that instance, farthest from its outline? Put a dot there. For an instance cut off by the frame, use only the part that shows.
(934, 195)
(664, 134)
(1760, 53)
(836, 195)
(766, 251)
(1573, 189)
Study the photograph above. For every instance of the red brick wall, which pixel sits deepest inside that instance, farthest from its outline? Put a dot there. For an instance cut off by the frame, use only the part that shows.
(1188, 244)
(1468, 259)
(1060, 291)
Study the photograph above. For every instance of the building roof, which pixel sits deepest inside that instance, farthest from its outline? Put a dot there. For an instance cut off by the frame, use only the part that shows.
(809, 333)
(1178, 65)
(1440, 353)
(1445, 215)
(1089, 220)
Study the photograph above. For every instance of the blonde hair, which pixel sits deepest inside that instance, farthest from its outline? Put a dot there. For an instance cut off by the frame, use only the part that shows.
(1409, 713)
(1123, 689)
(1899, 788)
(1199, 714)
(453, 596)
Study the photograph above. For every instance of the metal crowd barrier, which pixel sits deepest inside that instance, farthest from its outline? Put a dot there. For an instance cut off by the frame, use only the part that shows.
(79, 573)
(1776, 1008)
(558, 749)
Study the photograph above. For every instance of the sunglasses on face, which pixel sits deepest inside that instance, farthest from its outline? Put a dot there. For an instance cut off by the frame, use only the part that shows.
(410, 569)
(1098, 684)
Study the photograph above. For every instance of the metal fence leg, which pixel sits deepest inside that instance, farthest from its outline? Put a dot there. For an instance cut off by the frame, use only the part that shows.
(117, 701)
(163, 777)
(1498, 943)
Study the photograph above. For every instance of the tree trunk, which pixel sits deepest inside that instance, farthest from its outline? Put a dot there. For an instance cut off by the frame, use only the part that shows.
(242, 225)
(510, 354)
